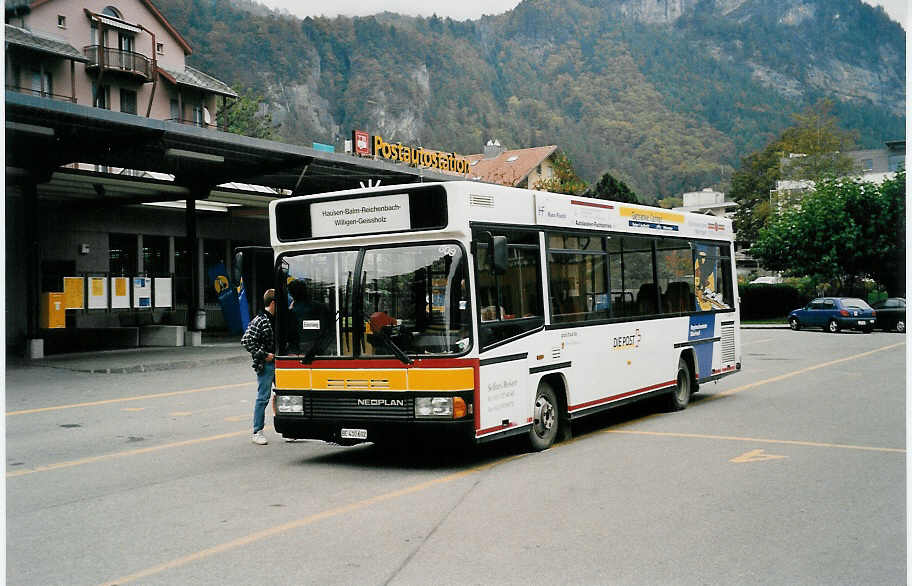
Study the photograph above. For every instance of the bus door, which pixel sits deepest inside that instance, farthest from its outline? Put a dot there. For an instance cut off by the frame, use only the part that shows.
(510, 310)
(503, 393)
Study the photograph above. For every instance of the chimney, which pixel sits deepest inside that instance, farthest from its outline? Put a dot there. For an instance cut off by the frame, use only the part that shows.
(492, 149)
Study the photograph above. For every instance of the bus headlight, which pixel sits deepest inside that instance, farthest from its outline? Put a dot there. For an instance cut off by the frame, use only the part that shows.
(290, 403)
(434, 407)
(449, 407)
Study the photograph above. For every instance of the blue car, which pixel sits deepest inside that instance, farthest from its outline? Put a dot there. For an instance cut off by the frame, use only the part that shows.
(834, 314)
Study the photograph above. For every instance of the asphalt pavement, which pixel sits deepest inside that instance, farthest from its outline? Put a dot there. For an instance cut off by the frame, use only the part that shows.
(216, 349)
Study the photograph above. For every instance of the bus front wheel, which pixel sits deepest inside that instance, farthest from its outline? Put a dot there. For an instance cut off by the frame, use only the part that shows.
(545, 418)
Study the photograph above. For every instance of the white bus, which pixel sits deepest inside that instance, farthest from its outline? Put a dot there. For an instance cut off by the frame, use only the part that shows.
(484, 311)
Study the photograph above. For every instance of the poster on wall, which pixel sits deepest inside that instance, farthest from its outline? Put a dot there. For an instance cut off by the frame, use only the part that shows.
(162, 291)
(120, 293)
(142, 292)
(227, 296)
(98, 293)
(73, 292)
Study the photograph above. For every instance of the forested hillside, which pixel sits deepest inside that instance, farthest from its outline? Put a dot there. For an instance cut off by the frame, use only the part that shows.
(665, 101)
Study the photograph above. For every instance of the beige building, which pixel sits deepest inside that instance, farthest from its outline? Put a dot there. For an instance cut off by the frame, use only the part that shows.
(120, 55)
(516, 168)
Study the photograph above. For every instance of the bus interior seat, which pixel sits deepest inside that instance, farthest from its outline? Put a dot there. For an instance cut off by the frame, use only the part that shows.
(678, 297)
(646, 299)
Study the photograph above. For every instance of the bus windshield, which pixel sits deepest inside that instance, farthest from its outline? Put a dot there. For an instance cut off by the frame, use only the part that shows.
(407, 301)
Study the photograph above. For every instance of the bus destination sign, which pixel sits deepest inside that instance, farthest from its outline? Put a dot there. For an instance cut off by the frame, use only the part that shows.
(364, 215)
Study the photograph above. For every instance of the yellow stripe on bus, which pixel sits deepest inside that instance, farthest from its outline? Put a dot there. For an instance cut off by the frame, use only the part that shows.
(292, 378)
(416, 379)
(441, 379)
(356, 379)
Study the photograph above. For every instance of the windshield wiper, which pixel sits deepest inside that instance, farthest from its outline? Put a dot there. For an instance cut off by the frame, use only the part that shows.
(397, 351)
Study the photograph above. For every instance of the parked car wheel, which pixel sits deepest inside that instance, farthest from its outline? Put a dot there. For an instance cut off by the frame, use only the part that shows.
(794, 323)
(901, 326)
(832, 326)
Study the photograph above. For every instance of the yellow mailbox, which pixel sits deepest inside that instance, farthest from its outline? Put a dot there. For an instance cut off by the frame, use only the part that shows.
(53, 311)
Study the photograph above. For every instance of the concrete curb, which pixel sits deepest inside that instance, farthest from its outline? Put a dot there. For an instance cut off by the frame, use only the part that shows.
(151, 367)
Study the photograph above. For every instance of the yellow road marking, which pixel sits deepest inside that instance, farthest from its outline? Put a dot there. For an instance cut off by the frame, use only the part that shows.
(133, 409)
(115, 455)
(180, 413)
(237, 418)
(125, 399)
(299, 523)
(801, 371)
(755, 456)
(755, 440)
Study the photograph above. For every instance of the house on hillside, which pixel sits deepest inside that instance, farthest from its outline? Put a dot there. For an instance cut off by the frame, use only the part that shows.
(120, 55)
(515, 168)
(871, 166)
(875, 165)
(707, 201)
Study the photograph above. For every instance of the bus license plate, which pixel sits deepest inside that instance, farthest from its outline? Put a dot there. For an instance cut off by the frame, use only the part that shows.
(354, 433)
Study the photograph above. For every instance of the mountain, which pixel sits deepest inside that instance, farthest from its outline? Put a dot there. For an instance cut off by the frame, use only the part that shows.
(667, 95)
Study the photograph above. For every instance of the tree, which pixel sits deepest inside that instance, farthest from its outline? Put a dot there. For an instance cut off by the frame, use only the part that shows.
(564, 180)
(610, 188)
(842, 230)
(750, 188)
(819, 145)
(248, 116)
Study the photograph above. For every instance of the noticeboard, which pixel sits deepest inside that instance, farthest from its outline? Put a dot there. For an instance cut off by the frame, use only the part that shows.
(142, 292)
(98, 293)
(120, 292)
(73, 292)
(162, 288)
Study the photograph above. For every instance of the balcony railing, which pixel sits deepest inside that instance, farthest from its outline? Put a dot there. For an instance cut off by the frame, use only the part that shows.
(40, 94)
(119, 60)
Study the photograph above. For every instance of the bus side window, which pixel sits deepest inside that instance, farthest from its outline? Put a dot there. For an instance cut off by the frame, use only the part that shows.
(511, 303)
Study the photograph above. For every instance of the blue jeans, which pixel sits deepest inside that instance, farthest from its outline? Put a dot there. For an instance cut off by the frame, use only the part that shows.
(264, 391)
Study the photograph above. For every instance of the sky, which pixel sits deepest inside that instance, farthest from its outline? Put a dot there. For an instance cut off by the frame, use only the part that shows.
(463, 9)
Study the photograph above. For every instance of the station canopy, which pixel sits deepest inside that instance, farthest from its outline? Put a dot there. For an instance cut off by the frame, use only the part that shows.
(79, 152)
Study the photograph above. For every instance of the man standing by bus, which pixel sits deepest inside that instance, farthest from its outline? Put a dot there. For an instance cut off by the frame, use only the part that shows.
(259, 340)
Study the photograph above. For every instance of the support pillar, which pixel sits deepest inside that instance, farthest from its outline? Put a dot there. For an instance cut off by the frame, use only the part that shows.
(34, 345)
(194, 335)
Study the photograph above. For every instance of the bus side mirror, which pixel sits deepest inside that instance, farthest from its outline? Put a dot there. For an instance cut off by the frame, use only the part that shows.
(498, 248)
(237, 268)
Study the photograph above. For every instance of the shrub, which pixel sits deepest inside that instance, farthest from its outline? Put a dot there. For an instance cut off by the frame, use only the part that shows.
(763, 301)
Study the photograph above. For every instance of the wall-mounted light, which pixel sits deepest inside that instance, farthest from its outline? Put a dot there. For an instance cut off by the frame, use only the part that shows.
(194, 156)
(84, 248)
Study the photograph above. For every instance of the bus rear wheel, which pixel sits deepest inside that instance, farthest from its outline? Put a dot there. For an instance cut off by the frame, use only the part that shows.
(545, 418)
(679, 398)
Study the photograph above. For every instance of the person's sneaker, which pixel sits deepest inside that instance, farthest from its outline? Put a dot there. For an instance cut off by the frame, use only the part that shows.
(259, 439)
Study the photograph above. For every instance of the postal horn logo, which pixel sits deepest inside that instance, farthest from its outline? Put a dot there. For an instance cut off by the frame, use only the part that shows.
(628, 342)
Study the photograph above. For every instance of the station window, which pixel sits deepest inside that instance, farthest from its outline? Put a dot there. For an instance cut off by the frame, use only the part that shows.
(122, 254)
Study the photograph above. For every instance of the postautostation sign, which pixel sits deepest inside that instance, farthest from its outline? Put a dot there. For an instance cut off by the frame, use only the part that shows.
(374, 146)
